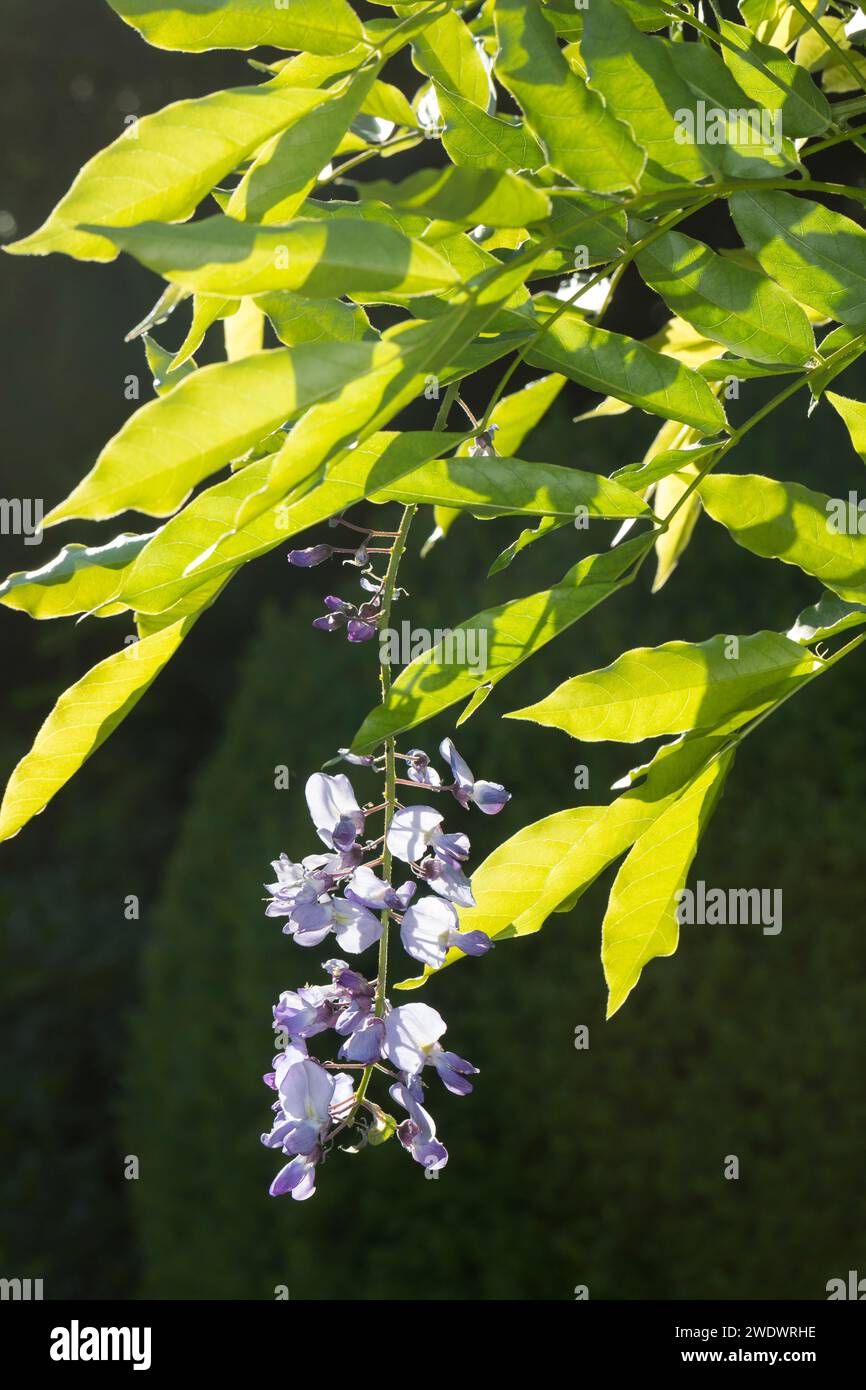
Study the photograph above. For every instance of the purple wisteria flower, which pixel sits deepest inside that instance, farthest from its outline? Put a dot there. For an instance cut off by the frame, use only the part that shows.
(339, 892)
(418, 1133)
(416, 829)
(431, 927)
(335, 812)
(313, 555)
(359, 621)
(372, 892)
(489, 797)
(309, 1098)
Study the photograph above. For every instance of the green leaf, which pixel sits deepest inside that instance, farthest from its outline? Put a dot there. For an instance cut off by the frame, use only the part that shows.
(641, 920)
(80, 579)
(201, 544)
(166, 374)
(637, 78)
(789, 522)
(317, 26)
(497, 486)
(320, 259)
(513, 879)
(296, 319)
(672, 543)
(505, 636)
(771, 80)
(475, 140)
(163, 165)
(637, 476)
(739, 308)
(854, 415)
(81, 720)
(671, 689)
(826, 618)
(445, 51)
(171, 444)
(756, 149)
(619, 366)
(818, 255)
(466, 196)
(546, 867)
(206, 311)
(581, 137)
(286, 170)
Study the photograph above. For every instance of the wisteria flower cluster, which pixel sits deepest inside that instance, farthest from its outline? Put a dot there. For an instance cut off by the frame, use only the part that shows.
(340, 892)
(359, 620)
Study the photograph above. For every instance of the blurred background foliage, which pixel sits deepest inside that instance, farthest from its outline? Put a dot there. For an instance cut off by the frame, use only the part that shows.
(601, 1167)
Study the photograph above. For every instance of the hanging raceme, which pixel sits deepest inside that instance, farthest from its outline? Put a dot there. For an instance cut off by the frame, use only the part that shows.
(371, 325)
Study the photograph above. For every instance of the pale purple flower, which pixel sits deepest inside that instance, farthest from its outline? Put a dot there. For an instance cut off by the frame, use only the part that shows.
(365, 1042)
(366, 888)
(354, 926)
(415, 829)
(431, 927)
(489, 797)
(359, 759)
(452, 1070)
(418, 1133)
(298, 1177)
(305, 1012)
(419, 769)
(447, 879)
(411, 1031)
(293, 1052)
(335, 812)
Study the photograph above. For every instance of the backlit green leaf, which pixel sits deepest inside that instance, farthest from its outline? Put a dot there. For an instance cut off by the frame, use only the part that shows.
(789, 522)
(816, 254)
(81, 720)
(505, 636)
(742, 309)
(171, 444)
(221, 256)
(163, 165)
(318, 26)
(671, 689)
(582, 138)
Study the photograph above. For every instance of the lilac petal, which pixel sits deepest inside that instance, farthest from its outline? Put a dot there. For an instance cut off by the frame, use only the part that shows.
(490, 797)
(405, 893)
(298, 1177)
(453, 847)
(461, 772)
(411, 831)
(365, 1043)
(355, 927)
(427, 930)
(410, 1030)
(359, 759)
(338, 605)
(359, 631)
(366, 888)
(313, 555)
(344, 834)
(448, 880)
(306, 1091)
(453, 1072)
(330, 800)
(472, 943)
(330, 623)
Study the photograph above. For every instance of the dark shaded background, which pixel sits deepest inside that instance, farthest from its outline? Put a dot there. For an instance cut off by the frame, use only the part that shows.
(148, 1037)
